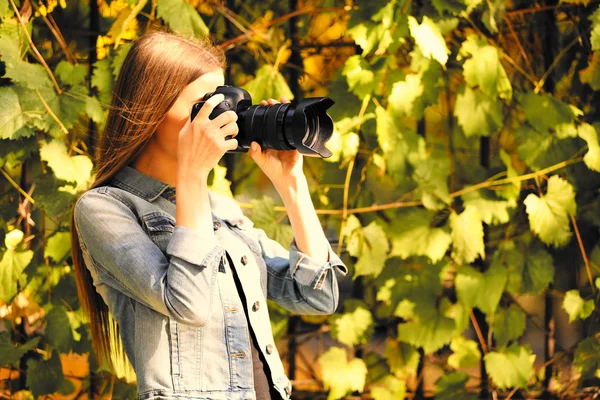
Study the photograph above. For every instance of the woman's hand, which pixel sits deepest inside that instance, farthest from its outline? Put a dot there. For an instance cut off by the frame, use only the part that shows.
(202, 141)
(280, 166)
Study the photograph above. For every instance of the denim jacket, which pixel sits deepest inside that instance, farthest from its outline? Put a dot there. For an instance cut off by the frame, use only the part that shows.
(171, 289)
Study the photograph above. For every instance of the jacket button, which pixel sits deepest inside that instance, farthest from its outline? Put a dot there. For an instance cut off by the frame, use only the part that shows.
(255, 306)
(244, 260)
(269, 348)
(216, 225)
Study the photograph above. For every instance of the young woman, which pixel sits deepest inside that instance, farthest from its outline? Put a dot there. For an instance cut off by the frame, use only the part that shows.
(174, 277)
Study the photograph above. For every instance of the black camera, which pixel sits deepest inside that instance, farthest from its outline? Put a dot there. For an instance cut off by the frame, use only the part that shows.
(305, 127)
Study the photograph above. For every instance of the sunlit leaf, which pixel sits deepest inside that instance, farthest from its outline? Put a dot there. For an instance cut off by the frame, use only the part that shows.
(592, 158)
(477, 114)
(11, 117)
(416, 223)
(549, 215)
(428, 37)
(465, 353)
(268, 83)
(354, 326)
(510, 367)
(577, 307)
(58, 246)
(69, 168)
(181, 17)
(483, 69)
(341, 376)
(467, 235)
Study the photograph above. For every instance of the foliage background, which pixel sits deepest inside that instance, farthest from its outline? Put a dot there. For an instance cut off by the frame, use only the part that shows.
(463, 190)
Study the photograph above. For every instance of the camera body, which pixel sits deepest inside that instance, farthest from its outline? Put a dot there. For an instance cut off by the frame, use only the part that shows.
(306, 127)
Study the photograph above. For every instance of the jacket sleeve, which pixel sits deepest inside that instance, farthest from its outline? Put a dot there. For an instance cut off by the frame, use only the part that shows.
(296, 281)
(179, 285)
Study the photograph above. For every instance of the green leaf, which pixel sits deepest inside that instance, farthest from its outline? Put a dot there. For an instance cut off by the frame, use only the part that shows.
(510, 367)
(547, 113)
(483, 291)
(6, 10)
(69, 168)
(11, 266)
(353, 327)
(452, 387)
(268, 83)
(402, 358)
(58, 246)
(476, 113)
(388, 388)
(102, 79)
(265, 217)
(49, 196)
(396, 141)
(58, 329)
(429, 39)
(483, 69)
(9, 354)
(549, 215)
(430, 172)
(371, 246)
(591, 74)
(340, 376)
(595, 33)
(530, 269)
(450, 6)
(361, 79)
(465, 353)
(431, 334)
(344, 142)
(44, 377)
(13, 238)
(592, 158)
(181, 17)
(122, 52)
(30, 75)
(577, 307)
(587, 357)
(94, 110)
(70, 74)
(467, 235)
(416, 223)
(508, 324)
(11, 117)
(492, 211)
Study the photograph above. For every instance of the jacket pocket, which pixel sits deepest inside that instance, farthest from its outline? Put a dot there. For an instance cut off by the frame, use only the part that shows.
(159, 227)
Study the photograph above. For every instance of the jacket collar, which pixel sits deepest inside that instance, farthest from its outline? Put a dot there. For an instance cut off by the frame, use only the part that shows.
(145, 186)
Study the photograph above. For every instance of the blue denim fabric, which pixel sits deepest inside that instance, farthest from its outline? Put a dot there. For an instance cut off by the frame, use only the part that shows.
(171, 289)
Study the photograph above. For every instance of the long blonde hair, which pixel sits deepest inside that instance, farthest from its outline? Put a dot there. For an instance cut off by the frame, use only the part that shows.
(157, 68)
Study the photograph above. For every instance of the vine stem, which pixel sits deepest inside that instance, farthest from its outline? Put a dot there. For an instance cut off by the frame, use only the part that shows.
(35, 50)
(54, 117)
(12, 182)
(478, 331)
(586, 261)
(405, 204)
(541, 82)
(283, 18)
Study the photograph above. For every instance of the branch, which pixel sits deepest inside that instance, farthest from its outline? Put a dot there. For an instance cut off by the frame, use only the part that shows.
(35, 50)
(583, 254)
